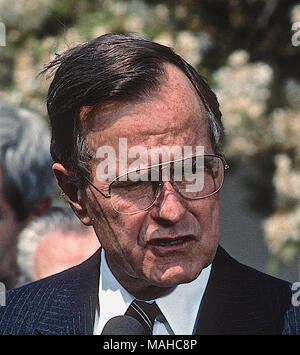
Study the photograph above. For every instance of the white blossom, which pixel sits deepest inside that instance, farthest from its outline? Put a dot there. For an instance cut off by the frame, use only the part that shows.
(24, 15)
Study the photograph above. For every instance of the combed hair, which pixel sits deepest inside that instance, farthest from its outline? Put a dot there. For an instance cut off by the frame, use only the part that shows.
(111, 67)
(24, 158)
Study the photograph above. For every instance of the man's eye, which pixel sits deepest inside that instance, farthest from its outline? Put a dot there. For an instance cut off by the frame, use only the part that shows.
(192, 165)
(128, 183)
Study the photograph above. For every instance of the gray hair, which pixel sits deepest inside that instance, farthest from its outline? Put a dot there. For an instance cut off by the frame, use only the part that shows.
(25, 158)
(60, 218)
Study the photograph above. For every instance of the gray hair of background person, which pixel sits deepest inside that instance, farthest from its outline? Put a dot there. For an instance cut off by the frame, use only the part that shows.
(25, 158)
(60, 218)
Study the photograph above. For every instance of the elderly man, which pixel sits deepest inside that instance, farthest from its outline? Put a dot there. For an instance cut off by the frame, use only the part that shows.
(26, 180)
(136, 144)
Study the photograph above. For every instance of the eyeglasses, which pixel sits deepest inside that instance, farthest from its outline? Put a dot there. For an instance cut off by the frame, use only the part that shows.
(192, 178)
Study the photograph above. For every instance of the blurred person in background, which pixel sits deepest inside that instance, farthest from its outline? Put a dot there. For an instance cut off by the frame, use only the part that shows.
(52, 243)
(26, 180)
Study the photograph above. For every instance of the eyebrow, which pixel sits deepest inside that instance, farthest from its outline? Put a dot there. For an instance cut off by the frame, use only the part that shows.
(159, 165)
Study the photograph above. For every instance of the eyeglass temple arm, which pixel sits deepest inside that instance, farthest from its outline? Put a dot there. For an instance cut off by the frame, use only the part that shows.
(96, 188)
(226, 165)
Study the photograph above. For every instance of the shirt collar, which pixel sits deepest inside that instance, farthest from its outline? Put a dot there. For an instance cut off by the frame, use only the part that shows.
(180, 307)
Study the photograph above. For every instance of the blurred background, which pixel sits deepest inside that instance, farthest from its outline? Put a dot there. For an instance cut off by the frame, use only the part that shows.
(249, 52)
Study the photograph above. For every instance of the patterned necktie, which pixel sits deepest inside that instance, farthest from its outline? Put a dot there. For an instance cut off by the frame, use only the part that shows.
(145, 313)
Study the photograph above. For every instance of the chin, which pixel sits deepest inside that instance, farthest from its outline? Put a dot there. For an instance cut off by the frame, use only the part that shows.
(175, 276)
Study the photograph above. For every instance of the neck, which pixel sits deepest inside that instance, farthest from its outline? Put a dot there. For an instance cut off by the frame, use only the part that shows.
(144, 291)
(137, 287)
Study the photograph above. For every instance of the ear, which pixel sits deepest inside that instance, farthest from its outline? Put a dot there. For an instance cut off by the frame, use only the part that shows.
(73, 194)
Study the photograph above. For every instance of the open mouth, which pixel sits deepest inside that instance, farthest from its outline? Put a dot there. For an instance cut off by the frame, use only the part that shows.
(170, 241)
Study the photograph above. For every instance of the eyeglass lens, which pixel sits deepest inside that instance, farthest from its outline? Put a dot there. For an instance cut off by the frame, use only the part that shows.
(193, 178)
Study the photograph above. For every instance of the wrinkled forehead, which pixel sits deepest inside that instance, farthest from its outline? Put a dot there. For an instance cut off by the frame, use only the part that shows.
(170, 120)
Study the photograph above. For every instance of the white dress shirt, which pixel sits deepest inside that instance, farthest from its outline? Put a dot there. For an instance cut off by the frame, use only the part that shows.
(180, 307)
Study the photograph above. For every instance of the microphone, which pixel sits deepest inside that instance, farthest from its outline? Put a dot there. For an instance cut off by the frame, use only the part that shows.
(123, 325)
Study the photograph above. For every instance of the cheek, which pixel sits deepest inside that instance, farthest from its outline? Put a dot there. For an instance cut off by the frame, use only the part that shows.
(208, 214)
(209, 219)
(120, 239)
(116, 231)
(215, 217)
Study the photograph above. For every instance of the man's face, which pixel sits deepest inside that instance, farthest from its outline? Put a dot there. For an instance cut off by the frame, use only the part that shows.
(172, 117)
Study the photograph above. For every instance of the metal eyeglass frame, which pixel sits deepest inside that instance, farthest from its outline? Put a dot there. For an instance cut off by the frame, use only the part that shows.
(225, 166)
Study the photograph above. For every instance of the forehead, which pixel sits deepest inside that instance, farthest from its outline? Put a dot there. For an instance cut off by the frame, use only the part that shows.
(174, 115)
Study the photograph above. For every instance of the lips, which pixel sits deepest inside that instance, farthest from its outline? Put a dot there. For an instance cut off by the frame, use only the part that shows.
(167, 244)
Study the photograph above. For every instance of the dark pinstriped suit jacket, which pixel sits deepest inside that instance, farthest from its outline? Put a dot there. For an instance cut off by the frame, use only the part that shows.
(237, 300)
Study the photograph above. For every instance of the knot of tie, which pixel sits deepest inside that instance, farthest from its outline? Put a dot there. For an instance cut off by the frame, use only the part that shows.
(145, 313)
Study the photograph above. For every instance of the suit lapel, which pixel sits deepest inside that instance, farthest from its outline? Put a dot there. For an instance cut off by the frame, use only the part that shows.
(230, 303)
(73, 299)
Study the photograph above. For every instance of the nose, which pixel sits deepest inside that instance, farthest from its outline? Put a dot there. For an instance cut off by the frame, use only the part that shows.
(168, 208)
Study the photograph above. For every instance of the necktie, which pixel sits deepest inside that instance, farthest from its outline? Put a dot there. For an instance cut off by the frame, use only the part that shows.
(145, 313)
